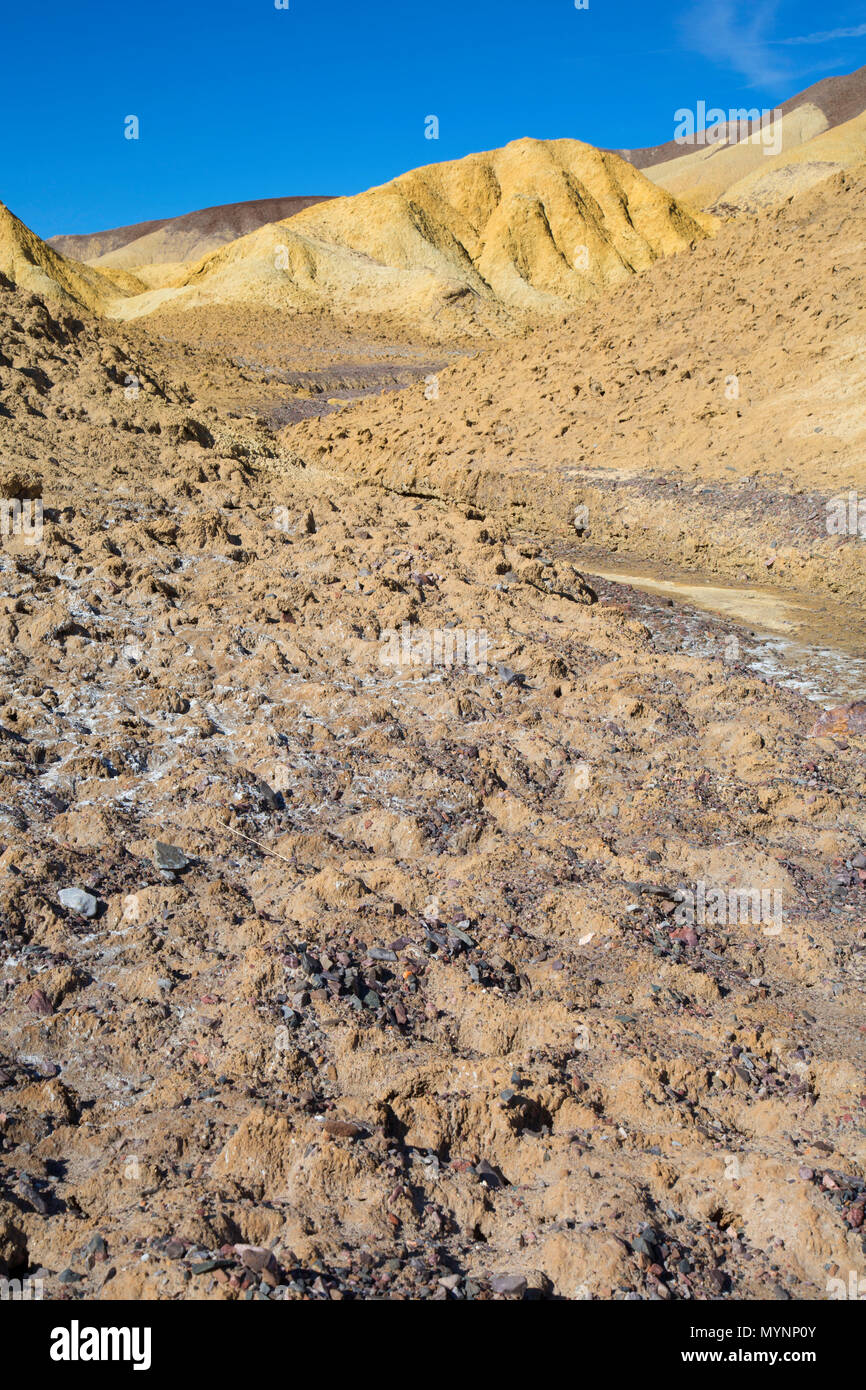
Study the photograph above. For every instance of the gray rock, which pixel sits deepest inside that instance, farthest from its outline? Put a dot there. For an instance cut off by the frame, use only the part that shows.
(509, 676)
(487, 1173)
(78, 901)
(508, 1283)
(461, 934)
(170, 858)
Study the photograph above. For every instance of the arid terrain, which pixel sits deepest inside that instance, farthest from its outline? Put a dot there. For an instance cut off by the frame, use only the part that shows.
(818, 132)
(351, 811)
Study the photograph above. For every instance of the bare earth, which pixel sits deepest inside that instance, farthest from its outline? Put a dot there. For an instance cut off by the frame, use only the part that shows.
(403, 1007)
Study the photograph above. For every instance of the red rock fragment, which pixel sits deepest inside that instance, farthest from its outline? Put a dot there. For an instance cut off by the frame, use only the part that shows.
(842, 719)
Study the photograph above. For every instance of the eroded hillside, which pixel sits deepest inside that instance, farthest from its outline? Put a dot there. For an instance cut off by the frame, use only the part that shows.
(334, 966)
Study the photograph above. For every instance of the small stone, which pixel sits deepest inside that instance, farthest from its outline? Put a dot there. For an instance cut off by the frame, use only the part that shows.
(96, 1246)
(509, 1284)
(842, 719)
(76, 900)
(169, 858)
(807, 1174)
(344, 1129)
(258, 1258)
(40, 1004)
(488, 1173)
(461, 934)
(29, 1192)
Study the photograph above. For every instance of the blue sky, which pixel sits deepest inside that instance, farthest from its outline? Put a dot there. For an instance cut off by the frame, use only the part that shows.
(237, 99)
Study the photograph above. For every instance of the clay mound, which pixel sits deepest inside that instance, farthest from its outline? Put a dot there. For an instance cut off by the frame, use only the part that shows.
(61, 367)
(533, 228)
(30, 264)
(178, 239)
(726, 171)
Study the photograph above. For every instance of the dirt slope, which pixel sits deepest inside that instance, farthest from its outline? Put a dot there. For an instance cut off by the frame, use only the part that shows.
(85, 246)
(788, 175)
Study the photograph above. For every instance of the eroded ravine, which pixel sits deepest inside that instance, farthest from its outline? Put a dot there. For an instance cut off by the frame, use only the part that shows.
(814, 647)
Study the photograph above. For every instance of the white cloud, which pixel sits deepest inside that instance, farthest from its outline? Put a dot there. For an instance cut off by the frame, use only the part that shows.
(737, 34)
(828, 36)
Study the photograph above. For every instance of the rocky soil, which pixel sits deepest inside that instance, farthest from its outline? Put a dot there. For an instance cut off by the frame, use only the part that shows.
(325, 975)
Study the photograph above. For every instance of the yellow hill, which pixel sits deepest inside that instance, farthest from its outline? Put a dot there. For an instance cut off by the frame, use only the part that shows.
(31, 264)
(515, 222)
(763, 171)
(703, 175)
(531, 229)
(748, 176)
(788, 175)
